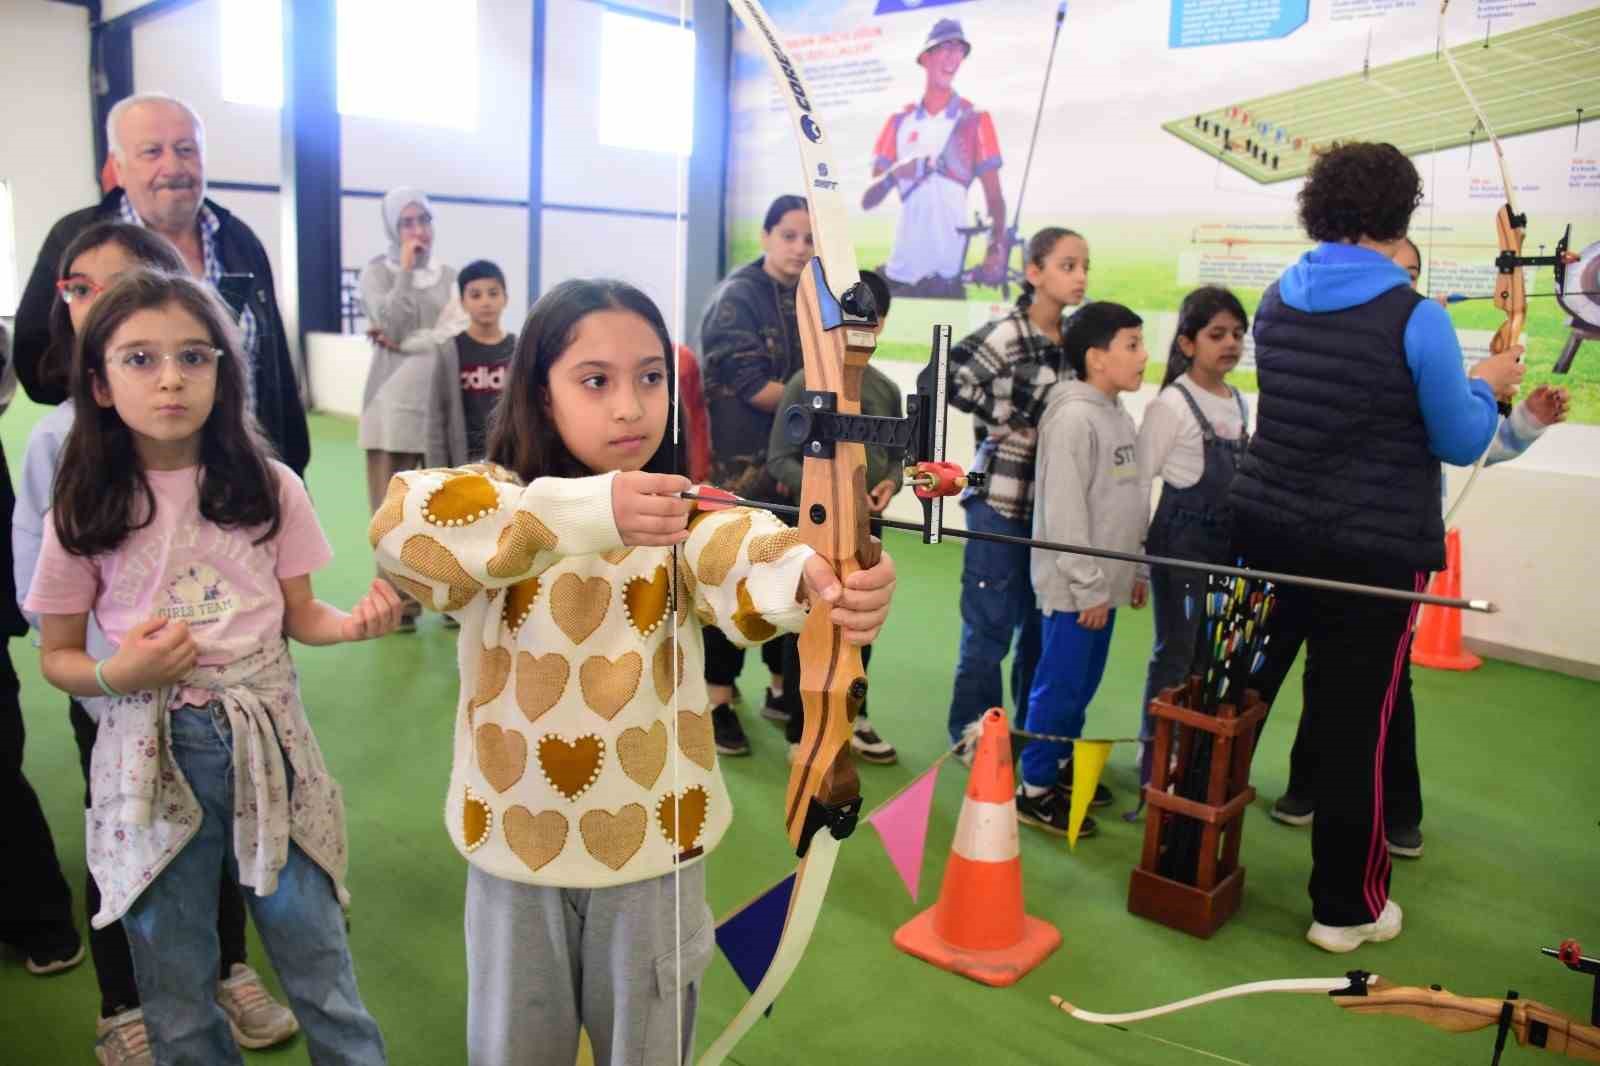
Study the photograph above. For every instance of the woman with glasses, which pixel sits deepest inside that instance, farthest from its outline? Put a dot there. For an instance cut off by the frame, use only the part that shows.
(411, 306)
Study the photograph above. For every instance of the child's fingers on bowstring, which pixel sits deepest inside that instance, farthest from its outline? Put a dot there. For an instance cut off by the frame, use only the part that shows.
(661, 504)
(641, 538)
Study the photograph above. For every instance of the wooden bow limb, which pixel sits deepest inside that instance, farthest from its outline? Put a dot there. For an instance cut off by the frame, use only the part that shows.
(1323, 985)
(1532, 1023)
(836, 320)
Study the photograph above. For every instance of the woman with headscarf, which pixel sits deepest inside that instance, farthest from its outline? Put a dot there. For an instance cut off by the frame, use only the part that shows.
(411, 306)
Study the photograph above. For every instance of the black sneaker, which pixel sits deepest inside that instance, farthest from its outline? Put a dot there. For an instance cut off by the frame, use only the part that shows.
(53, 952)
(1292, 810)
(1102, 794)
(773, 710)
(1405, 842)
(728, 732)
(1049, 812)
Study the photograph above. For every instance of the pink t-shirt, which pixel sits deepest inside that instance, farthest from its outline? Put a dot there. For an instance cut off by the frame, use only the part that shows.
(185, 568)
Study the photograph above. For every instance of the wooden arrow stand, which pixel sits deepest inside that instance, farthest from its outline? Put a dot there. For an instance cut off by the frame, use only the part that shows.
(1199, 909)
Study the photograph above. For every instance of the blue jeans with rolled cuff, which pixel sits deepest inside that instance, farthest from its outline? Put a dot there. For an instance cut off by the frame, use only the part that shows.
(172, 929)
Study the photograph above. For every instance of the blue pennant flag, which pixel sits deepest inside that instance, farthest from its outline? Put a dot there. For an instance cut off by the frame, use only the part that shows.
(749, 937)
(890, 7)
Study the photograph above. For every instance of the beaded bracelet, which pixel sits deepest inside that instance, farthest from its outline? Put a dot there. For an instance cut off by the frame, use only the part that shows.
(100, 678)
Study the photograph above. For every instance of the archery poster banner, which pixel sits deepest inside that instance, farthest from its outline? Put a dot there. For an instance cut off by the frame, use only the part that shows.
(1174, 135)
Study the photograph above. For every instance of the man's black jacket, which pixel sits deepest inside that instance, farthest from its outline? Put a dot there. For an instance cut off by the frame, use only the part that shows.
(277, 396)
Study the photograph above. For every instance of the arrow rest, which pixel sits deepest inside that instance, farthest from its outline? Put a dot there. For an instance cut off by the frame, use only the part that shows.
(1570, 954)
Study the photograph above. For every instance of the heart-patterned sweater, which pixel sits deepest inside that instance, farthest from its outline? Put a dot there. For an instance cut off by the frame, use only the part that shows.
(579, 763)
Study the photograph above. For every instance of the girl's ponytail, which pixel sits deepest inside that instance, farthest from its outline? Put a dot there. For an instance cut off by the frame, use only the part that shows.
(1040, 245)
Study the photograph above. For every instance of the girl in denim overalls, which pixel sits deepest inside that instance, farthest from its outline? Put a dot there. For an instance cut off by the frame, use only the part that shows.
(1192, 437)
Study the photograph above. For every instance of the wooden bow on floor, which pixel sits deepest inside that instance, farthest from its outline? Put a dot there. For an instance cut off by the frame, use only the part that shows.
(1531, 1023)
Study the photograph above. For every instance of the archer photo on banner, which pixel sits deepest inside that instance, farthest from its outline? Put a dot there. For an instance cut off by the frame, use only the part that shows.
(1175, 135)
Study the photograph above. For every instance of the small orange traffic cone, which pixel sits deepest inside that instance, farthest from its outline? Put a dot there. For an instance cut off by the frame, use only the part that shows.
(1438, 640)
(978, 928)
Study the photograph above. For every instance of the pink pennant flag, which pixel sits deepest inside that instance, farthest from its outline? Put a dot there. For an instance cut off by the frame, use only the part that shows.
(903, 824)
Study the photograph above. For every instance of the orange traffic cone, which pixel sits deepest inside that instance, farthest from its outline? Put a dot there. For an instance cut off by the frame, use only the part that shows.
(1438, 640)
(978, 928)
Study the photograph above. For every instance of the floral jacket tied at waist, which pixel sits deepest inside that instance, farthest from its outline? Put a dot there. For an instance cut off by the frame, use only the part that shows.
(143, 812)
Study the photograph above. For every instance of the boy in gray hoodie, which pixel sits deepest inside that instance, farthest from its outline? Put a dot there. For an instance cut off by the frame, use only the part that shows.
(1088, 491)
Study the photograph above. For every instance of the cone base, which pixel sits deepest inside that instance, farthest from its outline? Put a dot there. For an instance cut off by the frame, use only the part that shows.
(1438, 660)
(998, 969)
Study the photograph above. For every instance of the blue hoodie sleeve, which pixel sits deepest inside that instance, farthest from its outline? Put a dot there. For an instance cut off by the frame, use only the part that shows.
(1459, 412)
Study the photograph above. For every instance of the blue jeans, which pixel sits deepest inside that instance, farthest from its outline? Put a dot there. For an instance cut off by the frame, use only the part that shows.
(172, 929)
(1072, 662)
(997, 607)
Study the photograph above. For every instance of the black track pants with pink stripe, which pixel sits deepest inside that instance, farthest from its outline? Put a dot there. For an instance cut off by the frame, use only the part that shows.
(1357, 682)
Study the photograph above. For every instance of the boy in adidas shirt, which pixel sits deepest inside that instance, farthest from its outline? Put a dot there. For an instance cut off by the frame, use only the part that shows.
(470, 371)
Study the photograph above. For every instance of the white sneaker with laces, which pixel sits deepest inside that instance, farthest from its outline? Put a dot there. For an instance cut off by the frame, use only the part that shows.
(121, 1040)
(257, 1020)
(1342, 938)
(869, 746)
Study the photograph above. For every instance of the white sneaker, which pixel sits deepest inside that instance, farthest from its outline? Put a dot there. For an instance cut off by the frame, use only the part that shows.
(257, 1020)
(122, 1041)
(1342, 938)
(869, 746)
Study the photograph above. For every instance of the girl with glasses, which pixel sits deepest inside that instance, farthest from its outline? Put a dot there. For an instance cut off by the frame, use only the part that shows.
(192, 548)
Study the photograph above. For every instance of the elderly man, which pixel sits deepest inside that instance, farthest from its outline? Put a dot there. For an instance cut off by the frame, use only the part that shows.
(157, 146)
(158, 152)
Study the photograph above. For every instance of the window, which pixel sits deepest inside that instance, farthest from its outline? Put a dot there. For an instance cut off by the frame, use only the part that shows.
(252, 53)
(10, 290)
(646, 84)
(412, 61)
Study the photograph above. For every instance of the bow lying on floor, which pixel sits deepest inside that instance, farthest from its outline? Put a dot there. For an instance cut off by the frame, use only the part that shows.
(1533, 1024)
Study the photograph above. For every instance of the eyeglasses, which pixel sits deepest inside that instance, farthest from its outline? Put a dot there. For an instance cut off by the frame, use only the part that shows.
(196, 361)
(72, 289)
(422, 221)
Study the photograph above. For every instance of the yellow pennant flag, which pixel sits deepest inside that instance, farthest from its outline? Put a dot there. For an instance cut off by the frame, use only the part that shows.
(1088, 759)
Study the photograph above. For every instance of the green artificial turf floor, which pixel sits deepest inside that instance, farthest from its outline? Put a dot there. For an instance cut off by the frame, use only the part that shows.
(1513, 860)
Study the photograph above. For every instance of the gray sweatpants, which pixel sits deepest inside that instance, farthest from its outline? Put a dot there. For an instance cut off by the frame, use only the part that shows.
(543, 961)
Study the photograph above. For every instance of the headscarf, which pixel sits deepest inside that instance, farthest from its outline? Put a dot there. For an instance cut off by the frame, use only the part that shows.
(395, 201)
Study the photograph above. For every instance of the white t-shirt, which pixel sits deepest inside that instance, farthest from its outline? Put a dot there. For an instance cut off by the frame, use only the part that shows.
(926, 241)
(1170, 443)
